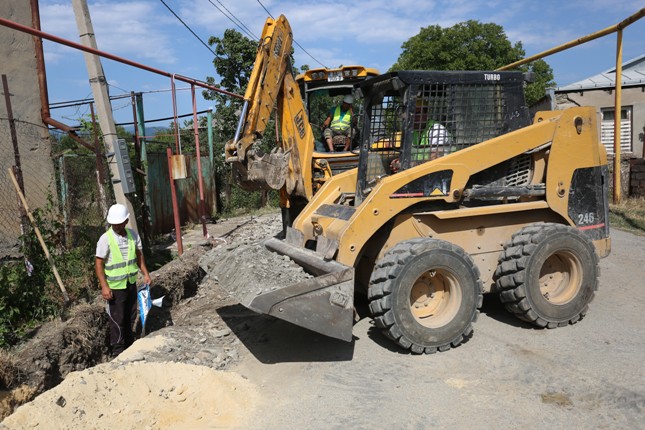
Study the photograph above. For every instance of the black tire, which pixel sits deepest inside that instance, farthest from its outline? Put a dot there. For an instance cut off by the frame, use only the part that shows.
(548, 274)
(425, 295)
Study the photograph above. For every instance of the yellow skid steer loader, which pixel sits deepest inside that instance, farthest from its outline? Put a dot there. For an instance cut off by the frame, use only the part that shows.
(456, 194)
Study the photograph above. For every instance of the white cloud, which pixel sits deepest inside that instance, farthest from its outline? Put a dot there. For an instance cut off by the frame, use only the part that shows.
(130, 29)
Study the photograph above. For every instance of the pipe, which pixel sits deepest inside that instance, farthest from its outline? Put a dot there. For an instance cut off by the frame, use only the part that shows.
(209, 118)
(174, 114)
(618, 116)
(240, 123)
(616, 27)
(70, 132)
(198, 154)
(175, 205)
(51, 37)
(42, 81)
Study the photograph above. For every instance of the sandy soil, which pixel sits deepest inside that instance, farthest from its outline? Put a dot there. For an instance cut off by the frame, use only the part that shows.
(132, 393)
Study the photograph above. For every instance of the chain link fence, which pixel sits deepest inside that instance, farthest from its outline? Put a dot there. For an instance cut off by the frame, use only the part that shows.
(83, 195)
(27, 152)
(57, 183)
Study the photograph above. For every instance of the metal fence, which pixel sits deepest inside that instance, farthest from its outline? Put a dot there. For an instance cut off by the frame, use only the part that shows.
(66, 186)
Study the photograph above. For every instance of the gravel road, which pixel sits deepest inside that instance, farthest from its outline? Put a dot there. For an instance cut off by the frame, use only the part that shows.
(508, 375)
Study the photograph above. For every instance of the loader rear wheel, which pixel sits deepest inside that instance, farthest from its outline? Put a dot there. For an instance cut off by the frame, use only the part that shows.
(548, 275)
(425, 294)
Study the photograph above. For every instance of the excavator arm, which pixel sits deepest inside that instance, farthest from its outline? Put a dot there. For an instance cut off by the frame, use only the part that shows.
(273, 88)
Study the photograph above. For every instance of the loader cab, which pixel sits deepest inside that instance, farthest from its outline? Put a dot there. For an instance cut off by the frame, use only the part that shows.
(413, 117)
(322, 89)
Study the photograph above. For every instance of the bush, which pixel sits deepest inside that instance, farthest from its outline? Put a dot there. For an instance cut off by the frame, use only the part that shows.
(29, 292)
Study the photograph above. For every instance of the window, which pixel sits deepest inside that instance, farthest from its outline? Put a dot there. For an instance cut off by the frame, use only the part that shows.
(607, 129)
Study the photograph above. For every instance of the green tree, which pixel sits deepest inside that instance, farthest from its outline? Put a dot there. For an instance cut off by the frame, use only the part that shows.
(470, 45)
(235, 55)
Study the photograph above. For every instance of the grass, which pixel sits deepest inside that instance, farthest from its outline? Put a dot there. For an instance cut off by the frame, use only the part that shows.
(629, 215)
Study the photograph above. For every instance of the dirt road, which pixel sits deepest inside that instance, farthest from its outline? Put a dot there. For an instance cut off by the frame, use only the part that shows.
(508, 375)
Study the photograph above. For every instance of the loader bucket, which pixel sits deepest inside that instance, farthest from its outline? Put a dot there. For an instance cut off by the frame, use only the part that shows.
(323, 303)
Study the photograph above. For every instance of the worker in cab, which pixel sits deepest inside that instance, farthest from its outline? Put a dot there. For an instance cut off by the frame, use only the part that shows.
(119, 257)
(338, 126)
(430, 139)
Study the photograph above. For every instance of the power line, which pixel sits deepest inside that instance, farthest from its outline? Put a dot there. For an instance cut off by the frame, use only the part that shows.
(238, 20)
(312, 57)
(265, 9)
(294, 40)
(189, 29)
(231, 19)
(165, 119)
(72, 103)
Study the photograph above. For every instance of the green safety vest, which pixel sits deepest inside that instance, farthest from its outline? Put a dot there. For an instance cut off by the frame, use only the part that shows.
(421, 140)
(119, 273)
(422, 137)
(341, 122)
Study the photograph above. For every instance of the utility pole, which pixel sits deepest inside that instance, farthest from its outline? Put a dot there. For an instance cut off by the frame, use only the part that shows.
(99, 86)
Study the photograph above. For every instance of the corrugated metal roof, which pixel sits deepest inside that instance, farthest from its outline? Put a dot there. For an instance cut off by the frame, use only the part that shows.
(633, 75)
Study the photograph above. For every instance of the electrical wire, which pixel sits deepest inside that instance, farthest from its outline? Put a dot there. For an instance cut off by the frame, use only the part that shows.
(236, 18)
(189, 29)
(231, 19)
(294, 40)
(265, 9)
(72, 103)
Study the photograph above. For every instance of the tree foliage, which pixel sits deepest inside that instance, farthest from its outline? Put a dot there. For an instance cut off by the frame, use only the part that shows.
(470, 45)
(235, 56)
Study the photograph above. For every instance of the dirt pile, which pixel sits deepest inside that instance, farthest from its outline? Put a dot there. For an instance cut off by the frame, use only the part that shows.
(60, 347)
(140, 395)
(250, 269)
(195, 333)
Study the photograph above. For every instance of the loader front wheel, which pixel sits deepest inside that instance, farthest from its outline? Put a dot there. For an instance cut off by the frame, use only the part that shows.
(425, 295)
(548, 275)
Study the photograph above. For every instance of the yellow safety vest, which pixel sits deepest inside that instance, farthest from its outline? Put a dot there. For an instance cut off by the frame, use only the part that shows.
(118, 273)
(341, 122)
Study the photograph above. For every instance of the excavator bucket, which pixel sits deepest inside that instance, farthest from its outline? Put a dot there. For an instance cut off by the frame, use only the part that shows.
(319, 298)
(265, 172)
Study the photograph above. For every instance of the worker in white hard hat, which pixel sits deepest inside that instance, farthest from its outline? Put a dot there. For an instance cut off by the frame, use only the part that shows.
(119, 257)
(339, 122)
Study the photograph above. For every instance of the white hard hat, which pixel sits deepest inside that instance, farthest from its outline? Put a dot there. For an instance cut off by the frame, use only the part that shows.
(349, 99)
(117, 214)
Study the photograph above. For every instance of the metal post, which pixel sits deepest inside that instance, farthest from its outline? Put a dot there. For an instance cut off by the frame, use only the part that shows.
(174, 114)
(211, 151)
(141, 129)
(63, 197)
(17, 169)
(141, 126)
(618, 116)
(209, 119)
(12, 130)
(200, 180)
(175, 206)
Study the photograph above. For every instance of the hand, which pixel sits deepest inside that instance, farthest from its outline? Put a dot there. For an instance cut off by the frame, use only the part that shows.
(147, 279)
(106, 292)
(395, 165)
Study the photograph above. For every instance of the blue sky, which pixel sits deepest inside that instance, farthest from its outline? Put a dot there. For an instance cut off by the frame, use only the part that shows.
(368, 32)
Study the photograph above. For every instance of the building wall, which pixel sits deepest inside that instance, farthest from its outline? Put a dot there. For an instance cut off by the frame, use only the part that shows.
(634, 97)
(17, 51)
(637, 181)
